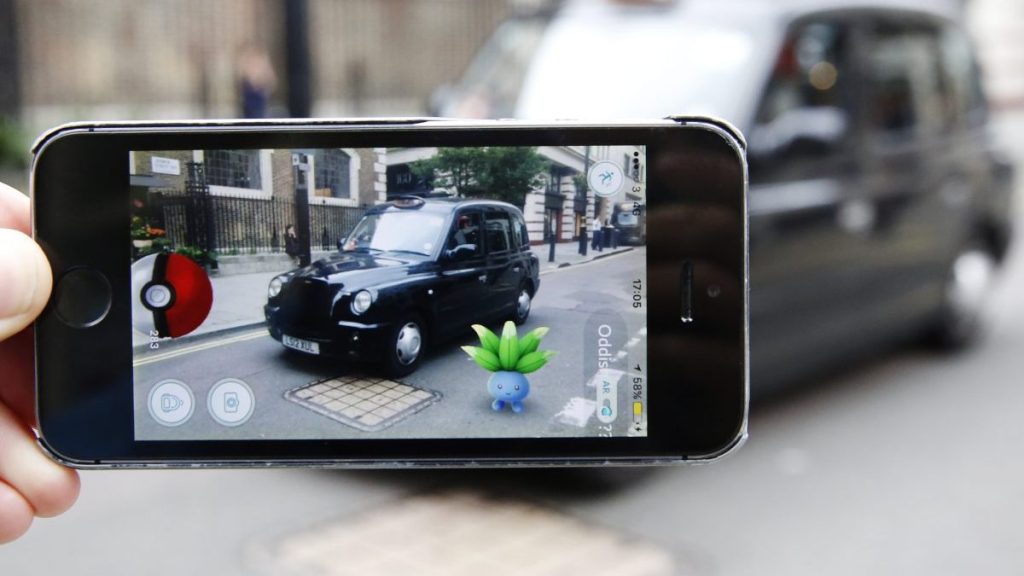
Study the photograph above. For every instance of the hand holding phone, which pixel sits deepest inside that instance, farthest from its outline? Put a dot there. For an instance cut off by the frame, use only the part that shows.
(398, 292)
(31, 484)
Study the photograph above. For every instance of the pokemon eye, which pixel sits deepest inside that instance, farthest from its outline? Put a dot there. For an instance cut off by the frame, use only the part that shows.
(517, 386)
(499, 386)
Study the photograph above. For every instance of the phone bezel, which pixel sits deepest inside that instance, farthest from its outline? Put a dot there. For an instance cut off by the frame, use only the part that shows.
(84, 376)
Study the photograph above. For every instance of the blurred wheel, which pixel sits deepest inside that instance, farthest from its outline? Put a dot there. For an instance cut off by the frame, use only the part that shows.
(524, 301)
(968, 284)
(406, 346)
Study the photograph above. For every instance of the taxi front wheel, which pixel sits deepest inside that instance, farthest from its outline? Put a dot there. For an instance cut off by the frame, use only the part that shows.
(405, 346)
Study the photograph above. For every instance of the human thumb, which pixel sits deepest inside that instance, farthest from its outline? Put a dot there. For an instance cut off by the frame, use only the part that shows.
(25, 281)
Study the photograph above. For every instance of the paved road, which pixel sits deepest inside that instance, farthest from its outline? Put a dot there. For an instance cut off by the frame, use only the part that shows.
(568, 299)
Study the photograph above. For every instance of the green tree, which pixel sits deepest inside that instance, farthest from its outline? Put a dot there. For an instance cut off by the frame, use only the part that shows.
(501, 172)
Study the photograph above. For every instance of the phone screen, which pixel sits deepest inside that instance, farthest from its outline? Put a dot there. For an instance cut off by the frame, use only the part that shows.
(389, 293)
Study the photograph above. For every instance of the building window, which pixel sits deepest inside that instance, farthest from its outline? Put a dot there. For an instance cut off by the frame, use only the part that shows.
(332, 173)
(233, 168)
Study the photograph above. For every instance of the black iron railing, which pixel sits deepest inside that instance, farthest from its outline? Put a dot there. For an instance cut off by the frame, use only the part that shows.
(231, 225)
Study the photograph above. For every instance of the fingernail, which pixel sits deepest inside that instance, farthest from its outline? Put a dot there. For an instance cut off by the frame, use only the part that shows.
(18, 273)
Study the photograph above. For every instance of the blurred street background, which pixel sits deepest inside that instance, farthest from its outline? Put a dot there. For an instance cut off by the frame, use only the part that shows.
(905, 461)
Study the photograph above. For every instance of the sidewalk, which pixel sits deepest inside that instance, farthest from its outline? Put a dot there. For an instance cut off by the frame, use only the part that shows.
(567, 254)
(238, 299)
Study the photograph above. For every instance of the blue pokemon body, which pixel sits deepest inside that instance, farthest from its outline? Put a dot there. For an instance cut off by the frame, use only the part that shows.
(508, 388)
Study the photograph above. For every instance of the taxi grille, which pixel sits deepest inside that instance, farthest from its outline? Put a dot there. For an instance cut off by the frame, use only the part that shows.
(306, 304)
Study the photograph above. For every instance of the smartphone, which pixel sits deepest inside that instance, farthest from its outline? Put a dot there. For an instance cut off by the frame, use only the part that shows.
(392, 292)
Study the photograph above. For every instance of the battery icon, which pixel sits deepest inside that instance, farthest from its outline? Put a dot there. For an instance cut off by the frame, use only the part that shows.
(638, 409)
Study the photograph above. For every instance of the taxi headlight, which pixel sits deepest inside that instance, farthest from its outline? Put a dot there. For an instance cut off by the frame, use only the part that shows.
(361, 301)
(275, 286)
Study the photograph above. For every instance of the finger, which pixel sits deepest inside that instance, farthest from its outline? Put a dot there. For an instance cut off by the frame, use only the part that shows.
(48, 487)
(25, 281)
(18, 389)
(14, 210)
(15, 514)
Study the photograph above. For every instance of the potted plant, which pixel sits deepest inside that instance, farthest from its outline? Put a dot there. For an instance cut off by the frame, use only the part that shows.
(141, 238)
(509, 358)
(143, 234)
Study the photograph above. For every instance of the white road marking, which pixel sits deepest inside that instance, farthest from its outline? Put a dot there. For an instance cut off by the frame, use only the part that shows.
(200, 347)
(577, 412)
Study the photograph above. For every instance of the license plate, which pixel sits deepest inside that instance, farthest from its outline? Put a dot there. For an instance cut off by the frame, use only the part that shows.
(300, 344)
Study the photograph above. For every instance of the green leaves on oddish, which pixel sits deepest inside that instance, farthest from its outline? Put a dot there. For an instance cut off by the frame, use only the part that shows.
(488, 339)
(509, 352)
(531, 341)
(484, 358)
(508, 346)
(534, 361)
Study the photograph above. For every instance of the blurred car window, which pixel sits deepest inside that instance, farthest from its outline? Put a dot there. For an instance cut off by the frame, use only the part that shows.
(907, 92)
(809, 73)
(494, 78)
(964, 76)
(806, 109)
(592, 62)
(557, 85)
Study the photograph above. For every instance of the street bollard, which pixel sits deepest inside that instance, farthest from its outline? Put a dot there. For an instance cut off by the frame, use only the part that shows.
(583, 241)
(551, 250)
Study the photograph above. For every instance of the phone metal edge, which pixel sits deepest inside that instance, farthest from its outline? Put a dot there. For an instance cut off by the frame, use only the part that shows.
(733, 137)
(736, 141)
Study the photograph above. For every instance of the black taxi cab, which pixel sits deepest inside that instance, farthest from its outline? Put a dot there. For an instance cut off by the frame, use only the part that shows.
(880, 201)
(412, 271)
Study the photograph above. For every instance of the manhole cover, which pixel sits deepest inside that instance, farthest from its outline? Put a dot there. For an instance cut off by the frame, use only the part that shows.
(464, 534)
(369, 404)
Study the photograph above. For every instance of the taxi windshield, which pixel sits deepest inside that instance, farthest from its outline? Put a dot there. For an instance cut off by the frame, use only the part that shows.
(405, 232)
(613, 66)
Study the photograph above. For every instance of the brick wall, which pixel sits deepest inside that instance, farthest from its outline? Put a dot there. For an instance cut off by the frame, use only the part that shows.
(284, 177)
(142, 164)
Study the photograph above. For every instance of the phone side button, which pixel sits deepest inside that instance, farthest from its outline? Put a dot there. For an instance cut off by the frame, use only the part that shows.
(686, 293)
(82, 298)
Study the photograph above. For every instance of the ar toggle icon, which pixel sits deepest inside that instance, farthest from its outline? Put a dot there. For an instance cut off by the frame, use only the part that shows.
(170, 402)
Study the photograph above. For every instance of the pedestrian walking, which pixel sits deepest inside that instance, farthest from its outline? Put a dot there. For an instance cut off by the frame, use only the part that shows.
(256, 81)
(596, 244)
(291, 244)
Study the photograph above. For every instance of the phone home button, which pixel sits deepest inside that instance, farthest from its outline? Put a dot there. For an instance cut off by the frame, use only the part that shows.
(82, 298)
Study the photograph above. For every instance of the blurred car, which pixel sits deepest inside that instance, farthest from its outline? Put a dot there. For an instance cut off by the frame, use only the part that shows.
(879, 208)
(412, 271)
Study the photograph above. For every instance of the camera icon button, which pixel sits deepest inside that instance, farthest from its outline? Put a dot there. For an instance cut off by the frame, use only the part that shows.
(171, 402)
(231, 402)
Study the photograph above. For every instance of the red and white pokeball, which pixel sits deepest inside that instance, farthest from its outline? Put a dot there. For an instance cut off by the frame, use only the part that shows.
(171, 295)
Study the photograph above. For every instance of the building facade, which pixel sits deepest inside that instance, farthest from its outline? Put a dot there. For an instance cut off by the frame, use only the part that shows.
(241, 202)
(562, 205)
